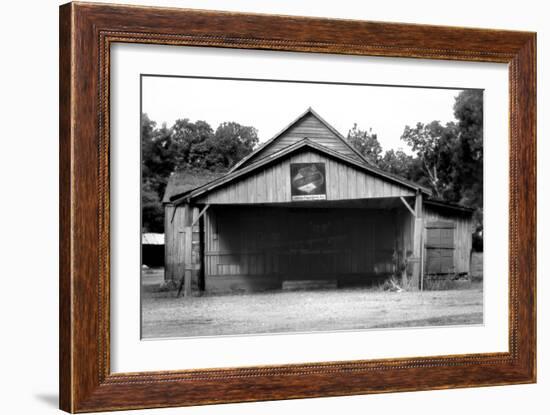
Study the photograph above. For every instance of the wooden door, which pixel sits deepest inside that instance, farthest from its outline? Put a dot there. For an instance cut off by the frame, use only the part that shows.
(440, 247)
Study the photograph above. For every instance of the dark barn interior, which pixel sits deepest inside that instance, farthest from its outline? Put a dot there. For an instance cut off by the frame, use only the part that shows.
(266, 247)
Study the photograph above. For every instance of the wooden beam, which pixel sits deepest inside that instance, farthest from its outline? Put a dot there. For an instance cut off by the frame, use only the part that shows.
(202, 212)
(185, 283)
(417, 282)
(186, 252)
(173, 214)
(408, 206)
(188, 255)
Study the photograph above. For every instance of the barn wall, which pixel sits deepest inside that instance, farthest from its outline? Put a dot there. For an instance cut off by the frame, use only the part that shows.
(462, 235)
(310, 127)
(404, 221)
(257, 248)
(176, 220)
(272, 184)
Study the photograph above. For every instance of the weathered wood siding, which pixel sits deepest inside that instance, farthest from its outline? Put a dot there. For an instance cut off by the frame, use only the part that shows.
(272, 184)
(177, 221)
(174, 222)
(462, 234)
(249, 248)
(309, 126)
(404, 225)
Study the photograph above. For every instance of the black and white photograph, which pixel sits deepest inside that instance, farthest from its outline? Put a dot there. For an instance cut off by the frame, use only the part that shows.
(287, 206)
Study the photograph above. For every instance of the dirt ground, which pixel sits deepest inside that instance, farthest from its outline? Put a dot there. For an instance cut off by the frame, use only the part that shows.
(164, 315)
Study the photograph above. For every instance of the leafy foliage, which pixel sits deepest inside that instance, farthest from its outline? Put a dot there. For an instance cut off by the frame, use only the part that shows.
(447, 158)
(366, 142)
(186, 146)
(433, 144)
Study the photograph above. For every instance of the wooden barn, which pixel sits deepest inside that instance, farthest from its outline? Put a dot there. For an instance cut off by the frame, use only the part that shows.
(307, 208)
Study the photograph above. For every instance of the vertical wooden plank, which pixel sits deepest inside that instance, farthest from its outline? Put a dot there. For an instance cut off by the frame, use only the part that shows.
(207, 243)
(168, 241)
(351, 175)
(269, 184)
(262, 188)
(378, 187)
(360, 185)
(386, 186)
(336, 176)
(188, 237)
(251, 189)
(332, 181)
(232, 190)
(342, 185)
(369, 186)
(275, 183)
(286, 181)
(259, 179)
(185, 247)
(257, 185)
(241, 190)
(279, 177)
(417, 279)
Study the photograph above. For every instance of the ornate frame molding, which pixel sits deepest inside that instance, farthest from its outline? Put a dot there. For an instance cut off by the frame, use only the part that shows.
(86, 33)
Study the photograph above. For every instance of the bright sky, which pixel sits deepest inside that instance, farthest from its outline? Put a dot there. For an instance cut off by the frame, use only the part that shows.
(271, 106)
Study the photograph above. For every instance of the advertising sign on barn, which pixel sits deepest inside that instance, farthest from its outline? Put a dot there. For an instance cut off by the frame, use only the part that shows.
(308, 181)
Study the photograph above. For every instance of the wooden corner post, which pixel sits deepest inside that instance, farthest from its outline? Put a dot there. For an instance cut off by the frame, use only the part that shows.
(417, 277)
(185, 283)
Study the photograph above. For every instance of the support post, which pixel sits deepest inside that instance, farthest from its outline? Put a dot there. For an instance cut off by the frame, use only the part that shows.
(188, 256)
(417, 278)
(197, 217)
(187, 246)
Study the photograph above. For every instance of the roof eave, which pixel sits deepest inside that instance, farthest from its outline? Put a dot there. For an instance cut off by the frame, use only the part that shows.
(452, 206)
(287, 150)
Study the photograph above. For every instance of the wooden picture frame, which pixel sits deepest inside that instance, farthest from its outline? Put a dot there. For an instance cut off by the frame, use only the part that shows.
(86, 33)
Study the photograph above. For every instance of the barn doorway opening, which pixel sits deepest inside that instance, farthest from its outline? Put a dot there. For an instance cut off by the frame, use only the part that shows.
(268, 247)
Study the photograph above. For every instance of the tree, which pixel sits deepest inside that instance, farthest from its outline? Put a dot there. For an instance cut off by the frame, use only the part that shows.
(186, 146)
(366, 142)
(397, 162)
(433, 145)
(156, 155)
(187, 138)
(152, 213)
(235, 141)
(468, 110)
(451, 156)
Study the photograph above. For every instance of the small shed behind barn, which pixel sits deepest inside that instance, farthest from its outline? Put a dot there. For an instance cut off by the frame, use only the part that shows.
(306, 206)
(152, 249)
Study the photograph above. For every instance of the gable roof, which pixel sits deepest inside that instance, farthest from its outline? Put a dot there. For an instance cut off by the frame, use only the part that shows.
(304, 143)
(335, 135)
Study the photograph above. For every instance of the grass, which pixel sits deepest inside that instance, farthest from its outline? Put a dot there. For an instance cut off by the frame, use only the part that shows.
(164, 315)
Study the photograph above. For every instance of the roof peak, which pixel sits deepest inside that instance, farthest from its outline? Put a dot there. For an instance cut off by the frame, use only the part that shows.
(295, 121)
